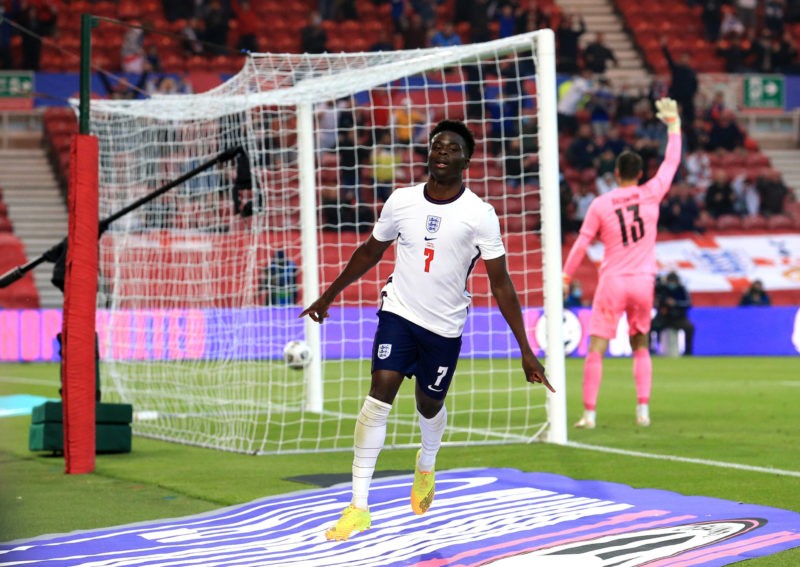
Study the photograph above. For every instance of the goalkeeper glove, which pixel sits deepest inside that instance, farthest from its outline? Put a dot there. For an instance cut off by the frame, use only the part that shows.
(668, 114)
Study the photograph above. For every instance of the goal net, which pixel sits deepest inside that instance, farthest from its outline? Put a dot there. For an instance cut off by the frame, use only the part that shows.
(201, 288)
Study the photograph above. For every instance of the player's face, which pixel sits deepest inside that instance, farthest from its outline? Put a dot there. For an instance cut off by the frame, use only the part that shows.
(447, 158)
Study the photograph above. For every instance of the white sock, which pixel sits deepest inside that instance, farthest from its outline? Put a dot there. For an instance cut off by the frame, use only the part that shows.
(590, 415)
(432, 431)
(643, 410)
(368, 441)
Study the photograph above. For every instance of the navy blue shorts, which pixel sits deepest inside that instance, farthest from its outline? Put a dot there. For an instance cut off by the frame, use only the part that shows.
(405, 347)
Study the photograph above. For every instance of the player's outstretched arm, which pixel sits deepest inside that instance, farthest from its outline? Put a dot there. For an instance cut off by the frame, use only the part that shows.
(508, 302)
(362, 260)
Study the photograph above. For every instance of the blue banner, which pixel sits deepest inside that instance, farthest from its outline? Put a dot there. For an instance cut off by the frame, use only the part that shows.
(260, 333)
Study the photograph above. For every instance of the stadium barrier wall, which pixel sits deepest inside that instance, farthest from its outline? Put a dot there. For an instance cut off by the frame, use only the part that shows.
(29, 335)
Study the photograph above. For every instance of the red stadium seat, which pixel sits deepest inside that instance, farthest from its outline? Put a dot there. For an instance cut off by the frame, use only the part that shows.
(754, 222)
(729, 222)
(780, 222)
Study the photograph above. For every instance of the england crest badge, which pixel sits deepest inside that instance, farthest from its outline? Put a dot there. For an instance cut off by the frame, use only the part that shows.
(384, 351)
(433, 223)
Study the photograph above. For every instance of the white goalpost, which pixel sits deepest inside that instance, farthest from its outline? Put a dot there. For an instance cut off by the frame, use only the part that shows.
(200, 289)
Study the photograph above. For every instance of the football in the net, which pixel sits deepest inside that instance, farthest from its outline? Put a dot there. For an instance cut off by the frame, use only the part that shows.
(297, 354)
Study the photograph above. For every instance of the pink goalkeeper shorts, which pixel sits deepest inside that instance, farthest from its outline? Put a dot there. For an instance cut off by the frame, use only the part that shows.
(615, 295)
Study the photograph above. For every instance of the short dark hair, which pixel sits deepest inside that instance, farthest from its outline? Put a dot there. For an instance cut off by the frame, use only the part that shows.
(629, 165)
(459, 128)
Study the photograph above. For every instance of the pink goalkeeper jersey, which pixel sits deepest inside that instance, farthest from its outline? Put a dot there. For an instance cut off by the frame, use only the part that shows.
(625, 220)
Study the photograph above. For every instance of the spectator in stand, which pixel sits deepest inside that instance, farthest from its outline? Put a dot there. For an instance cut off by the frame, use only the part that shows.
(132, 53)
(192, 33)
(673, 303)
(679, 212)
(152, 59)
(6, 34)
(720, 197)
(533, 17)
(414, 31)
(625, 106)
(568, 32)
(582, 199)
(714, 111)
(725, 134)
(383, 42)
(601, 108)
(248, 22)
(280, 280)
(123, 89)
(774, 16)
(651, 136)
(597, 55)
(327, 9)
(426, 9)
(765, 52)
(572, 95)
(506, 21)
(327, 124)
(479, 30)
(520, 167)
(605, 161)
(605, 183)
(465, 10)
(573, 296)
(698, 169)
(712, 18)
(385, 161)
(568, 223)
(166, 84)
(683, 86)
(772, 193)
(697, 135)
(408, 122)
(215, 27)
(786, 55)
(748, 201)
(175, 10)
(731, 25)
(583, 150)
(345, 10)
(446, 36)
(746, 11)
(614, 143)
(755, 296)
(40, 19)
(313, 37)
(736, 52)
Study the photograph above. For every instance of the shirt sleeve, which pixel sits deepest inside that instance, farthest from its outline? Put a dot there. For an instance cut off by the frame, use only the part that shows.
(662, 180)
(488, 239)
(588, 232)
(385, 229)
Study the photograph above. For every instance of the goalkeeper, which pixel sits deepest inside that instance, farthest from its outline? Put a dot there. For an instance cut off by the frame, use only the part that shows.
(441, 229)
(625, 221)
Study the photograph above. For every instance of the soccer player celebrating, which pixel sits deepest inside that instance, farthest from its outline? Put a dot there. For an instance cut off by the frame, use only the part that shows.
(625, 221)
(441, 228)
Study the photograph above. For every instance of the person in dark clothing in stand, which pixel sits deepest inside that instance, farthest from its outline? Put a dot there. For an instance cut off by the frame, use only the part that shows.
(683, 86)
(672, 303)
(567, 36)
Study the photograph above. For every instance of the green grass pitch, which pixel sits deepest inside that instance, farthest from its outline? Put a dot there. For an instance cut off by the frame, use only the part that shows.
(706, 412)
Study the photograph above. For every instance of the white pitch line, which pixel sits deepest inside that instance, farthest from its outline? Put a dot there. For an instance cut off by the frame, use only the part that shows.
(707, 462)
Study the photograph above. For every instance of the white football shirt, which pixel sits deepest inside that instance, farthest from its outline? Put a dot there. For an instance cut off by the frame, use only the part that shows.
(437, 246)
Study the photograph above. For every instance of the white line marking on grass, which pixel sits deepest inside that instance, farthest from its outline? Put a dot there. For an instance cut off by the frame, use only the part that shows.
(30, 381)
(707, 462)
